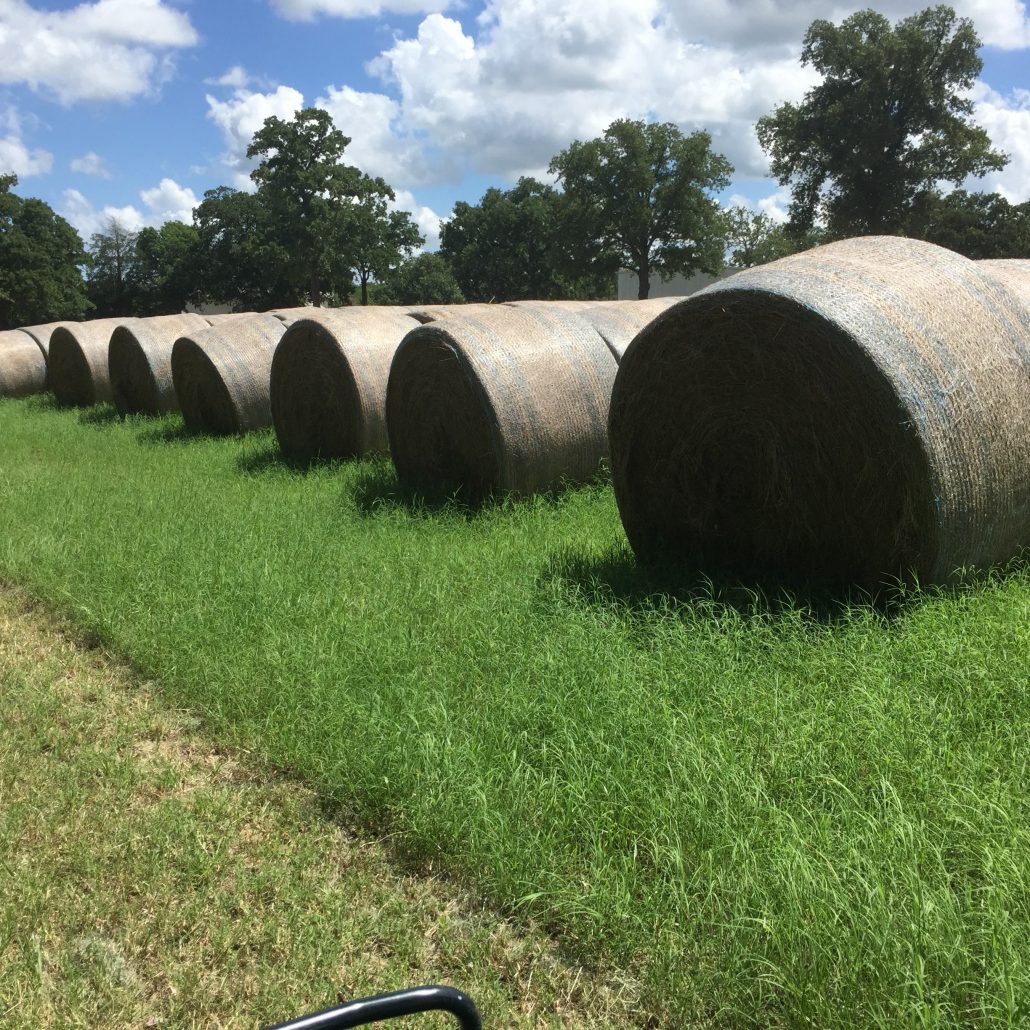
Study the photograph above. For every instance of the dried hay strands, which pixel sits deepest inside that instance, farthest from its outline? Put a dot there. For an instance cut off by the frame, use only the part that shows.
(855, 412)
(499, 400)
(77, 365)
(328, 382)
(618, 321)
(22, 365)
(140, 362)
(225, 316)
(1014, 272)
(221, 375)
(42, 333)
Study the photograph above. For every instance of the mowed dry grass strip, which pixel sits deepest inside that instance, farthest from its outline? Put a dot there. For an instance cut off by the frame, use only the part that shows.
(151, 879)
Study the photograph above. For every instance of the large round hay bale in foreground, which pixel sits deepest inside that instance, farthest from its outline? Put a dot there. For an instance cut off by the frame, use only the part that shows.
(77, 365)
(856, 412)
(22, 365)
(499, 400)
(140, 362)
(328, 382)
(618, 321)
(221, 375)
(1014, 272)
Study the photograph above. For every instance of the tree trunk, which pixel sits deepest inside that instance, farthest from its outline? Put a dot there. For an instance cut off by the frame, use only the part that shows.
(644, 279)
(364, 289)
(316, 289)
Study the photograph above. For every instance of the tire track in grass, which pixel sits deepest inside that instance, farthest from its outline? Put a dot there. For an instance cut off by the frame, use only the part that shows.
(152, 879)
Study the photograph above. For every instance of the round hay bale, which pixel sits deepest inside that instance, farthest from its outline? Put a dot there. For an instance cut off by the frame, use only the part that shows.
(140, 363)
(225, 316)
(618, 321)
(328, 382)
(1014, 272)
(42, 333)
(221, 375)
(77, 365)
(22, 365)
(855, 412)
(499, 400)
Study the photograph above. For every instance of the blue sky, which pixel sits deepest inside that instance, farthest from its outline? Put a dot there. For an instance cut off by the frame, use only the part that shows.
(133, 108)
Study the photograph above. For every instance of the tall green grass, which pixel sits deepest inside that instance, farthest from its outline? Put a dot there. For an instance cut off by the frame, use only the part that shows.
(774, 816)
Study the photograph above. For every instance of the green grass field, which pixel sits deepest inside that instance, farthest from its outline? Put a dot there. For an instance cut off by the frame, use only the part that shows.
(771, 817)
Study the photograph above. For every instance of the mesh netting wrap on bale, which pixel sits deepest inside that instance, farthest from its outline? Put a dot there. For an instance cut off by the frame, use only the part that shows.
(221, 375)
(22, 365)
(225, 316)
(857, 412)
(140, 362)
(42, 333)
(499, 400)
(328, 382)
(618, 321)
(77, 365)
(1014, 272)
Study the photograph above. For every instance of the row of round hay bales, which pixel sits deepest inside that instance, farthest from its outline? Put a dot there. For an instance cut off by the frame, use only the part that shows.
(508, 399)
(853, 413)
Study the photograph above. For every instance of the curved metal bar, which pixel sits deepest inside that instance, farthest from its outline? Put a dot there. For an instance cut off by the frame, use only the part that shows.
(390, 1006)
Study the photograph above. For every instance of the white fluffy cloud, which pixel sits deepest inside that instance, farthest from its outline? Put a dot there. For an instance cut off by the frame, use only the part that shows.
(766, 25)
(169, 202)
(16, 157)
(90, 164)
(427, 220)
(540, 73)
(307, 10)
(165, 202)
(1007, 121)
(241, 116)
(105, 50)
(379, 145)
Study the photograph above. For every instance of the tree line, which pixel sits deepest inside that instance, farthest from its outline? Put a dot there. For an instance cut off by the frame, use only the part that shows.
(882, 144)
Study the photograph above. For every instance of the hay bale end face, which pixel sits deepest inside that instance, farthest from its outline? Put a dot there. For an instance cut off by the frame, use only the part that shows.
(140, 363)
(328, 382)
(857, 412)
(22, 365)
(221, 375)
(78, 369)
(499, 400)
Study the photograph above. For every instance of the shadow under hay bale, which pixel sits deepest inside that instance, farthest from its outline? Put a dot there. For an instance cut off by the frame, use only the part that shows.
(23, 368)
(500, 400)
(78, 371)
(140, 363)
(221, 375)
(856, 413)
(328, 383)
(641, 590)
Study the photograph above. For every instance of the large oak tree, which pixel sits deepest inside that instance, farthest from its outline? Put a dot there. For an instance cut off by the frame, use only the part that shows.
(888, 122)
(643, 194)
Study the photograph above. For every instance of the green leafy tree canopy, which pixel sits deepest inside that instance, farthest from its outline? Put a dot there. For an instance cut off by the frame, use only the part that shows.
(308, 192)
(379, 238)
(890, 120)
(41, 257)
(642, 192)
(423, 279)
(512, 245)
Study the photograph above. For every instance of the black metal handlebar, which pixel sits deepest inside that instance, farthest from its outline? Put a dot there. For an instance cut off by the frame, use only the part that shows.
(390, 1006)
